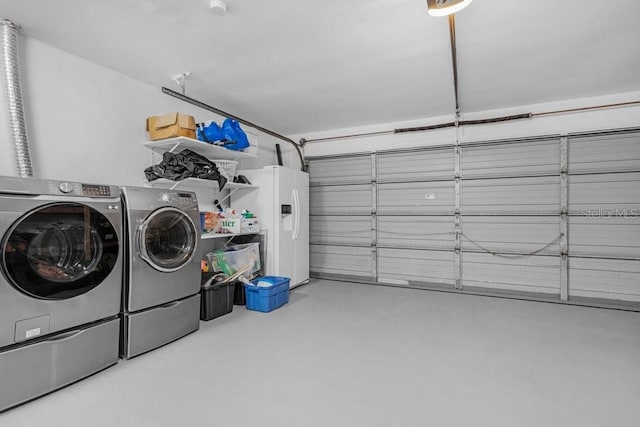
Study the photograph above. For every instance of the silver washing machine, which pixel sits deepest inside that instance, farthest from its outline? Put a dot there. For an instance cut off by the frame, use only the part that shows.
(161, 300)
(61, 284)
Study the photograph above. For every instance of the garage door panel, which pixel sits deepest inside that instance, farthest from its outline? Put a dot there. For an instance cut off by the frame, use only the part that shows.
(516, 234)
(421, 266)
(416, 198)
(604, 194)
(425, 232)
(416, 165)
(343, 170)
(600, 236)
(605, 153)
(510, 203)
(537, 274)
(340, 200)
(604, 278)
(511, 196)
(341, 261)
(510, 160)
(341, 230)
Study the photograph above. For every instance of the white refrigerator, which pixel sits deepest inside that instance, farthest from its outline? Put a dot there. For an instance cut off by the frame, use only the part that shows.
(281, 203)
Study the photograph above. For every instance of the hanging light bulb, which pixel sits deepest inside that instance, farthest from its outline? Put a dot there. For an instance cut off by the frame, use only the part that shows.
(218, 7)
(446, 7)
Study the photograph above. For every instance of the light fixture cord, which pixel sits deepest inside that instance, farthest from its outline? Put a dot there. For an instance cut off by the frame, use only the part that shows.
(452, 36)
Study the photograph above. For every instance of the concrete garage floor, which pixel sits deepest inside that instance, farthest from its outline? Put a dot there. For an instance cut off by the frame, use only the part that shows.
(342, 354)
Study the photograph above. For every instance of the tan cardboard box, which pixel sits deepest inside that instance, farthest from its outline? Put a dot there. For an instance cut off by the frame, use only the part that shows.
(171, 125)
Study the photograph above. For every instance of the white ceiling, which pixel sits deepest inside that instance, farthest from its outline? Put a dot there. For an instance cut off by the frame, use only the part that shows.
(297, 66)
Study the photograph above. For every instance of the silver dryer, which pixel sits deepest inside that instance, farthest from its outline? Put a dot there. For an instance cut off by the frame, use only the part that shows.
(162, 274)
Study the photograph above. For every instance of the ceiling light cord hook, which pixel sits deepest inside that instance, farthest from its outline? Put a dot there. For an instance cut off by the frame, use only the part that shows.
(181, 80)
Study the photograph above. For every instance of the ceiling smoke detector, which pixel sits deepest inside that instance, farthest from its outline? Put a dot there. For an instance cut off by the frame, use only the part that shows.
(218, 7)
(446, 7)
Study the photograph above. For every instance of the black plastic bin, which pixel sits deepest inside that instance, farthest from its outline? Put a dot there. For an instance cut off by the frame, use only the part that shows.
(239, 297)
(217, 300)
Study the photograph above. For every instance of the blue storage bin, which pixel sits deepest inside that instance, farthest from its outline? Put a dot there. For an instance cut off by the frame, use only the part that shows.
(266, 299)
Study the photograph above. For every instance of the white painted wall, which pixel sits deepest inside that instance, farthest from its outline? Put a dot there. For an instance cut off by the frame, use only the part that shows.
(612, 118)
(87, 123)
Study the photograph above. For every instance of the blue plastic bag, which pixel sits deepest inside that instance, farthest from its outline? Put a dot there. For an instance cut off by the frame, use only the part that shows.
(234, 135)
(210, 134)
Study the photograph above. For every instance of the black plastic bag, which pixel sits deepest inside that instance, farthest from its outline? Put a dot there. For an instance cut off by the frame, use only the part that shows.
(185, 164)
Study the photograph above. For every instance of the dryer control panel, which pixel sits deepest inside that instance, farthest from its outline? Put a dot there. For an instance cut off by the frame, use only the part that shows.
(186, 199)
(182, 199)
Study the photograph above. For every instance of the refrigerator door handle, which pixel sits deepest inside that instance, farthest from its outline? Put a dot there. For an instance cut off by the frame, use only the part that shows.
(296, 206)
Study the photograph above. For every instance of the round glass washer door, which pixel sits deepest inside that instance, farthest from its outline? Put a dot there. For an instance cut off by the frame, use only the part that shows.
(167, 239)
(59, 251)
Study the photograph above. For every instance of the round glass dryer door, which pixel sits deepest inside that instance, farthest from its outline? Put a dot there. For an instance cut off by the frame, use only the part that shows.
(167, 239)
(59, 251)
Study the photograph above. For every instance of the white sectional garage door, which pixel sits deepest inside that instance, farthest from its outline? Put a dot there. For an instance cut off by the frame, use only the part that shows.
(552, 218)
(416, 203)
(604, 216)
(510, 217)
(341, 207)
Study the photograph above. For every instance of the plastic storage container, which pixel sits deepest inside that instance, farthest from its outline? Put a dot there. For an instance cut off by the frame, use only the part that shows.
(216, 300)
(267, 298)
(239, 257)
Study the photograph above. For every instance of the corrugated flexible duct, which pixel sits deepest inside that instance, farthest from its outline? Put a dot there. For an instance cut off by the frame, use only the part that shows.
(11, 83)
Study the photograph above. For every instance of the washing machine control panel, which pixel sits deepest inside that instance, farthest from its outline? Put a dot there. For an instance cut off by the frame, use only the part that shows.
(96, 190)
(64, 187)
(77, 189)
